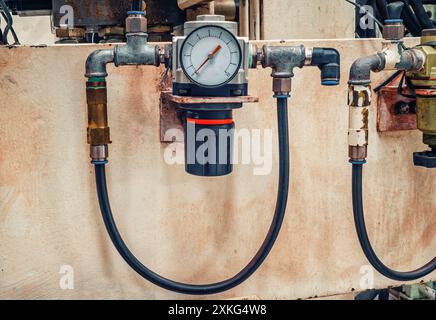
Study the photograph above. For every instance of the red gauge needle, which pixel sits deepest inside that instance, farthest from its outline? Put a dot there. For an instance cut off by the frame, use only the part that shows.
(209, 57)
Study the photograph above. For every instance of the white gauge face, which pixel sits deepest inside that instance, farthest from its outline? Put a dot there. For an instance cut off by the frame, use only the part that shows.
(211, 56)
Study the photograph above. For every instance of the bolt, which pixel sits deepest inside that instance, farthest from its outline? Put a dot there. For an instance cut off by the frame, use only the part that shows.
(404, 108)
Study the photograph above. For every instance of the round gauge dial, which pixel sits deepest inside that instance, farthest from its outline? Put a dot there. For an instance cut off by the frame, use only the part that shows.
(211, 56)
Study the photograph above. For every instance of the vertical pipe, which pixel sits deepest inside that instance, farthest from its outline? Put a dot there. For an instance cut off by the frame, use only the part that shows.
(261, 21)
(244, 18)
(254, 20)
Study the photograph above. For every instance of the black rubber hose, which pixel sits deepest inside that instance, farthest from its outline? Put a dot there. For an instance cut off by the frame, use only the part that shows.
(382, 7)
(366, 244)
(9, 21)
(136, 5)
(421, 14)
(388, 80)
(12, 30)
(410, 20)
(254, 264)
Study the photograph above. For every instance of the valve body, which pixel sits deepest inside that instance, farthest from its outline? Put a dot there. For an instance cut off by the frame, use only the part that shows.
(424, 84)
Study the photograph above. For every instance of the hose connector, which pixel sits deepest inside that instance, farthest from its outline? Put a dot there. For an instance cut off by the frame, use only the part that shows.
(359, 101)
(136, 22)
(393, 28)
(99, 154)
(98, 128)
(328, 60)
(284, 59)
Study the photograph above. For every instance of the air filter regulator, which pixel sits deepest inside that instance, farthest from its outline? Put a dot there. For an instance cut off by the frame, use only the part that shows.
(210, 60)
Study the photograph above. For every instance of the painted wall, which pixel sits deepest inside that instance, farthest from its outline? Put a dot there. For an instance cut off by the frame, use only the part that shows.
(313, 19)
(34, 30)
(194, 229)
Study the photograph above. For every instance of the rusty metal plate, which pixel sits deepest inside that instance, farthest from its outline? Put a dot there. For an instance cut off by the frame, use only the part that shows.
(170, 115)
(169, 119)
(209, 100)
(93, 13)
(395, 112)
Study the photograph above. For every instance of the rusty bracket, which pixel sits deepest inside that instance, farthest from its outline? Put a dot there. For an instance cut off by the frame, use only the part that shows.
(171, 127)
(394, 111)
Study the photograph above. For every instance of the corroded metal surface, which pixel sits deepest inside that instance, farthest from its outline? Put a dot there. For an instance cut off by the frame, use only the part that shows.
(93, 13)
(49, 212)
(170, 120)
(389, 118)
(170, 113)
(209, 100)
(113, 12)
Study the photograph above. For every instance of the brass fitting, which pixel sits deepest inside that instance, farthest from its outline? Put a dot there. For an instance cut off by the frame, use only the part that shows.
(358, 153)
(98, 128)
(282, 86)
(359, 101)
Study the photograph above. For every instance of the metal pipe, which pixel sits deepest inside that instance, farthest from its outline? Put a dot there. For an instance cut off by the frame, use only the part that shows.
(254, 20)
(359, 98)
(244, 18)
(360, 72)
(284, 59)
(97, 62)
(136, 51)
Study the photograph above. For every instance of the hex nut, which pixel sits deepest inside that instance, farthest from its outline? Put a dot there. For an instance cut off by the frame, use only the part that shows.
(358, 153)
(393, 31)
(282, 85)
(136, 24)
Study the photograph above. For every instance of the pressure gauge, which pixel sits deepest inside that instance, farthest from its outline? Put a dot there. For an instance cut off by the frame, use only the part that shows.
(211, 56)
(210, 59)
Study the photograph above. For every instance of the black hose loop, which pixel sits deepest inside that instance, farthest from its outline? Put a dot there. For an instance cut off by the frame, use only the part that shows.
(366, 244)
(255, 263)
